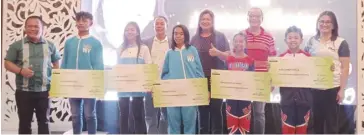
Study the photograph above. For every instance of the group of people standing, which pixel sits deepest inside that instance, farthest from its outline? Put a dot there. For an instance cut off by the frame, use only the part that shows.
(178, 57)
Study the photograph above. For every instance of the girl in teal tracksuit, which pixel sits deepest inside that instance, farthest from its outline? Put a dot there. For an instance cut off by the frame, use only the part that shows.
(182, 62)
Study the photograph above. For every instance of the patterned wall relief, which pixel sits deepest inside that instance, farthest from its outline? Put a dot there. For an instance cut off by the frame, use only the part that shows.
(59, 16)
(360, 104)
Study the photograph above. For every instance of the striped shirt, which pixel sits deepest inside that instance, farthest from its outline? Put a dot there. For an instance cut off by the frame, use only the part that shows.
(39, 56)
(259, 47)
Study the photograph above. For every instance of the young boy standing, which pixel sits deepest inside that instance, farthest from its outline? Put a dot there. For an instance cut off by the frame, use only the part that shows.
(295, 102)
(83, 52)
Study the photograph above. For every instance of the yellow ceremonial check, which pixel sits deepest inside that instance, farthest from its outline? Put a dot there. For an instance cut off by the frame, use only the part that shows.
(240, 85)
(132, 77)
(77, 83)
(180, 92)
(306, 72)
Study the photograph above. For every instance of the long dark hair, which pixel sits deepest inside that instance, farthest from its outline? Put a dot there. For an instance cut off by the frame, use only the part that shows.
(335, 31)
(186, 35)
(199, 29)
(126, 43)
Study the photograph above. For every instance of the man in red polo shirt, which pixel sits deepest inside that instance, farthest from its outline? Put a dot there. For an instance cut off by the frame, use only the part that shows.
(260, 45)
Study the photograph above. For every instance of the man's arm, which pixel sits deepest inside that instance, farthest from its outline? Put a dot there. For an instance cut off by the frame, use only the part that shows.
(10, 66)
(10, 58)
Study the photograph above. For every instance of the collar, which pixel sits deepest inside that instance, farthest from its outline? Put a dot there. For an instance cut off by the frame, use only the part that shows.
(299, 51)
(164, 40)
(83, 37)
(262, 30)
(177, 49)
(41, 41)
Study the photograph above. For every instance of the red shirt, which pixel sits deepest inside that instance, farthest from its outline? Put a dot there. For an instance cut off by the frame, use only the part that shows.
(259, 47)
(243, 64)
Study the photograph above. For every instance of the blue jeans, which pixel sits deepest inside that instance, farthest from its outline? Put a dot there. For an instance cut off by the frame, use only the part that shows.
(188, 115)
(155, 118)
(77, 106)
(259, 117)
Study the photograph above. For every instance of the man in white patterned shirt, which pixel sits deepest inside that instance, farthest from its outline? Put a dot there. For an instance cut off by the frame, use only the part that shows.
(156, 118)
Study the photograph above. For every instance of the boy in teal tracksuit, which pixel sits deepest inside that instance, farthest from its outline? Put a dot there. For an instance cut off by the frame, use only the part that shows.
(182, 62)
(83, 52)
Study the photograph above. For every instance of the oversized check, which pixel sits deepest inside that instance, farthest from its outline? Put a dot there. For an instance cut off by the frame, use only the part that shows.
(180, 92)
(240, 85)
(77, 83)
(132, 77)
(306, 72)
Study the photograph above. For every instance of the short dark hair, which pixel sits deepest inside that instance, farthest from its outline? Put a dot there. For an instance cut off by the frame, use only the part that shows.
(163, 17)
(293, 29)
(335, 31)
(83, 15)
(186, 36)
(35, 17)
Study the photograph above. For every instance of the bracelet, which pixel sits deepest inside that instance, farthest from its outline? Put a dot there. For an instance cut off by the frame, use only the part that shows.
(20, 71)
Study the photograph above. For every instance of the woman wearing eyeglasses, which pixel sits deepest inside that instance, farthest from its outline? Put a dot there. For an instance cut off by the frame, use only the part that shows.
(328, 43)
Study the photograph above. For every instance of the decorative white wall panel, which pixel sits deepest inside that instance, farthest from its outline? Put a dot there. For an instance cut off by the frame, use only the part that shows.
(59, 18)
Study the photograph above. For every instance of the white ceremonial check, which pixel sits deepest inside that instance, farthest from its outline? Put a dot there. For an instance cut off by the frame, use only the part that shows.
(77, 83)
(240, 85)
(180, 92)
(132, 77)
(306, 72)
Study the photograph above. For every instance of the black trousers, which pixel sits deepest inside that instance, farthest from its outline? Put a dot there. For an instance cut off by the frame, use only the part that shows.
(210, 116)
(137, 106)
(28, 103)
(325, 111)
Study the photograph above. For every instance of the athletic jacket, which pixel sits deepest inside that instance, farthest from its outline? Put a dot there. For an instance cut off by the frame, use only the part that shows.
(182, 64)
(84, 53)
(290, 95)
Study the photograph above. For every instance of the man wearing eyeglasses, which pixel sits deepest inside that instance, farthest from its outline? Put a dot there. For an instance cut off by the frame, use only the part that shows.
(32, 59)
(260, 46)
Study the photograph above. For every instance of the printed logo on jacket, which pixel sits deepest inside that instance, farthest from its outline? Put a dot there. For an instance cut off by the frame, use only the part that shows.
(190, 58)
